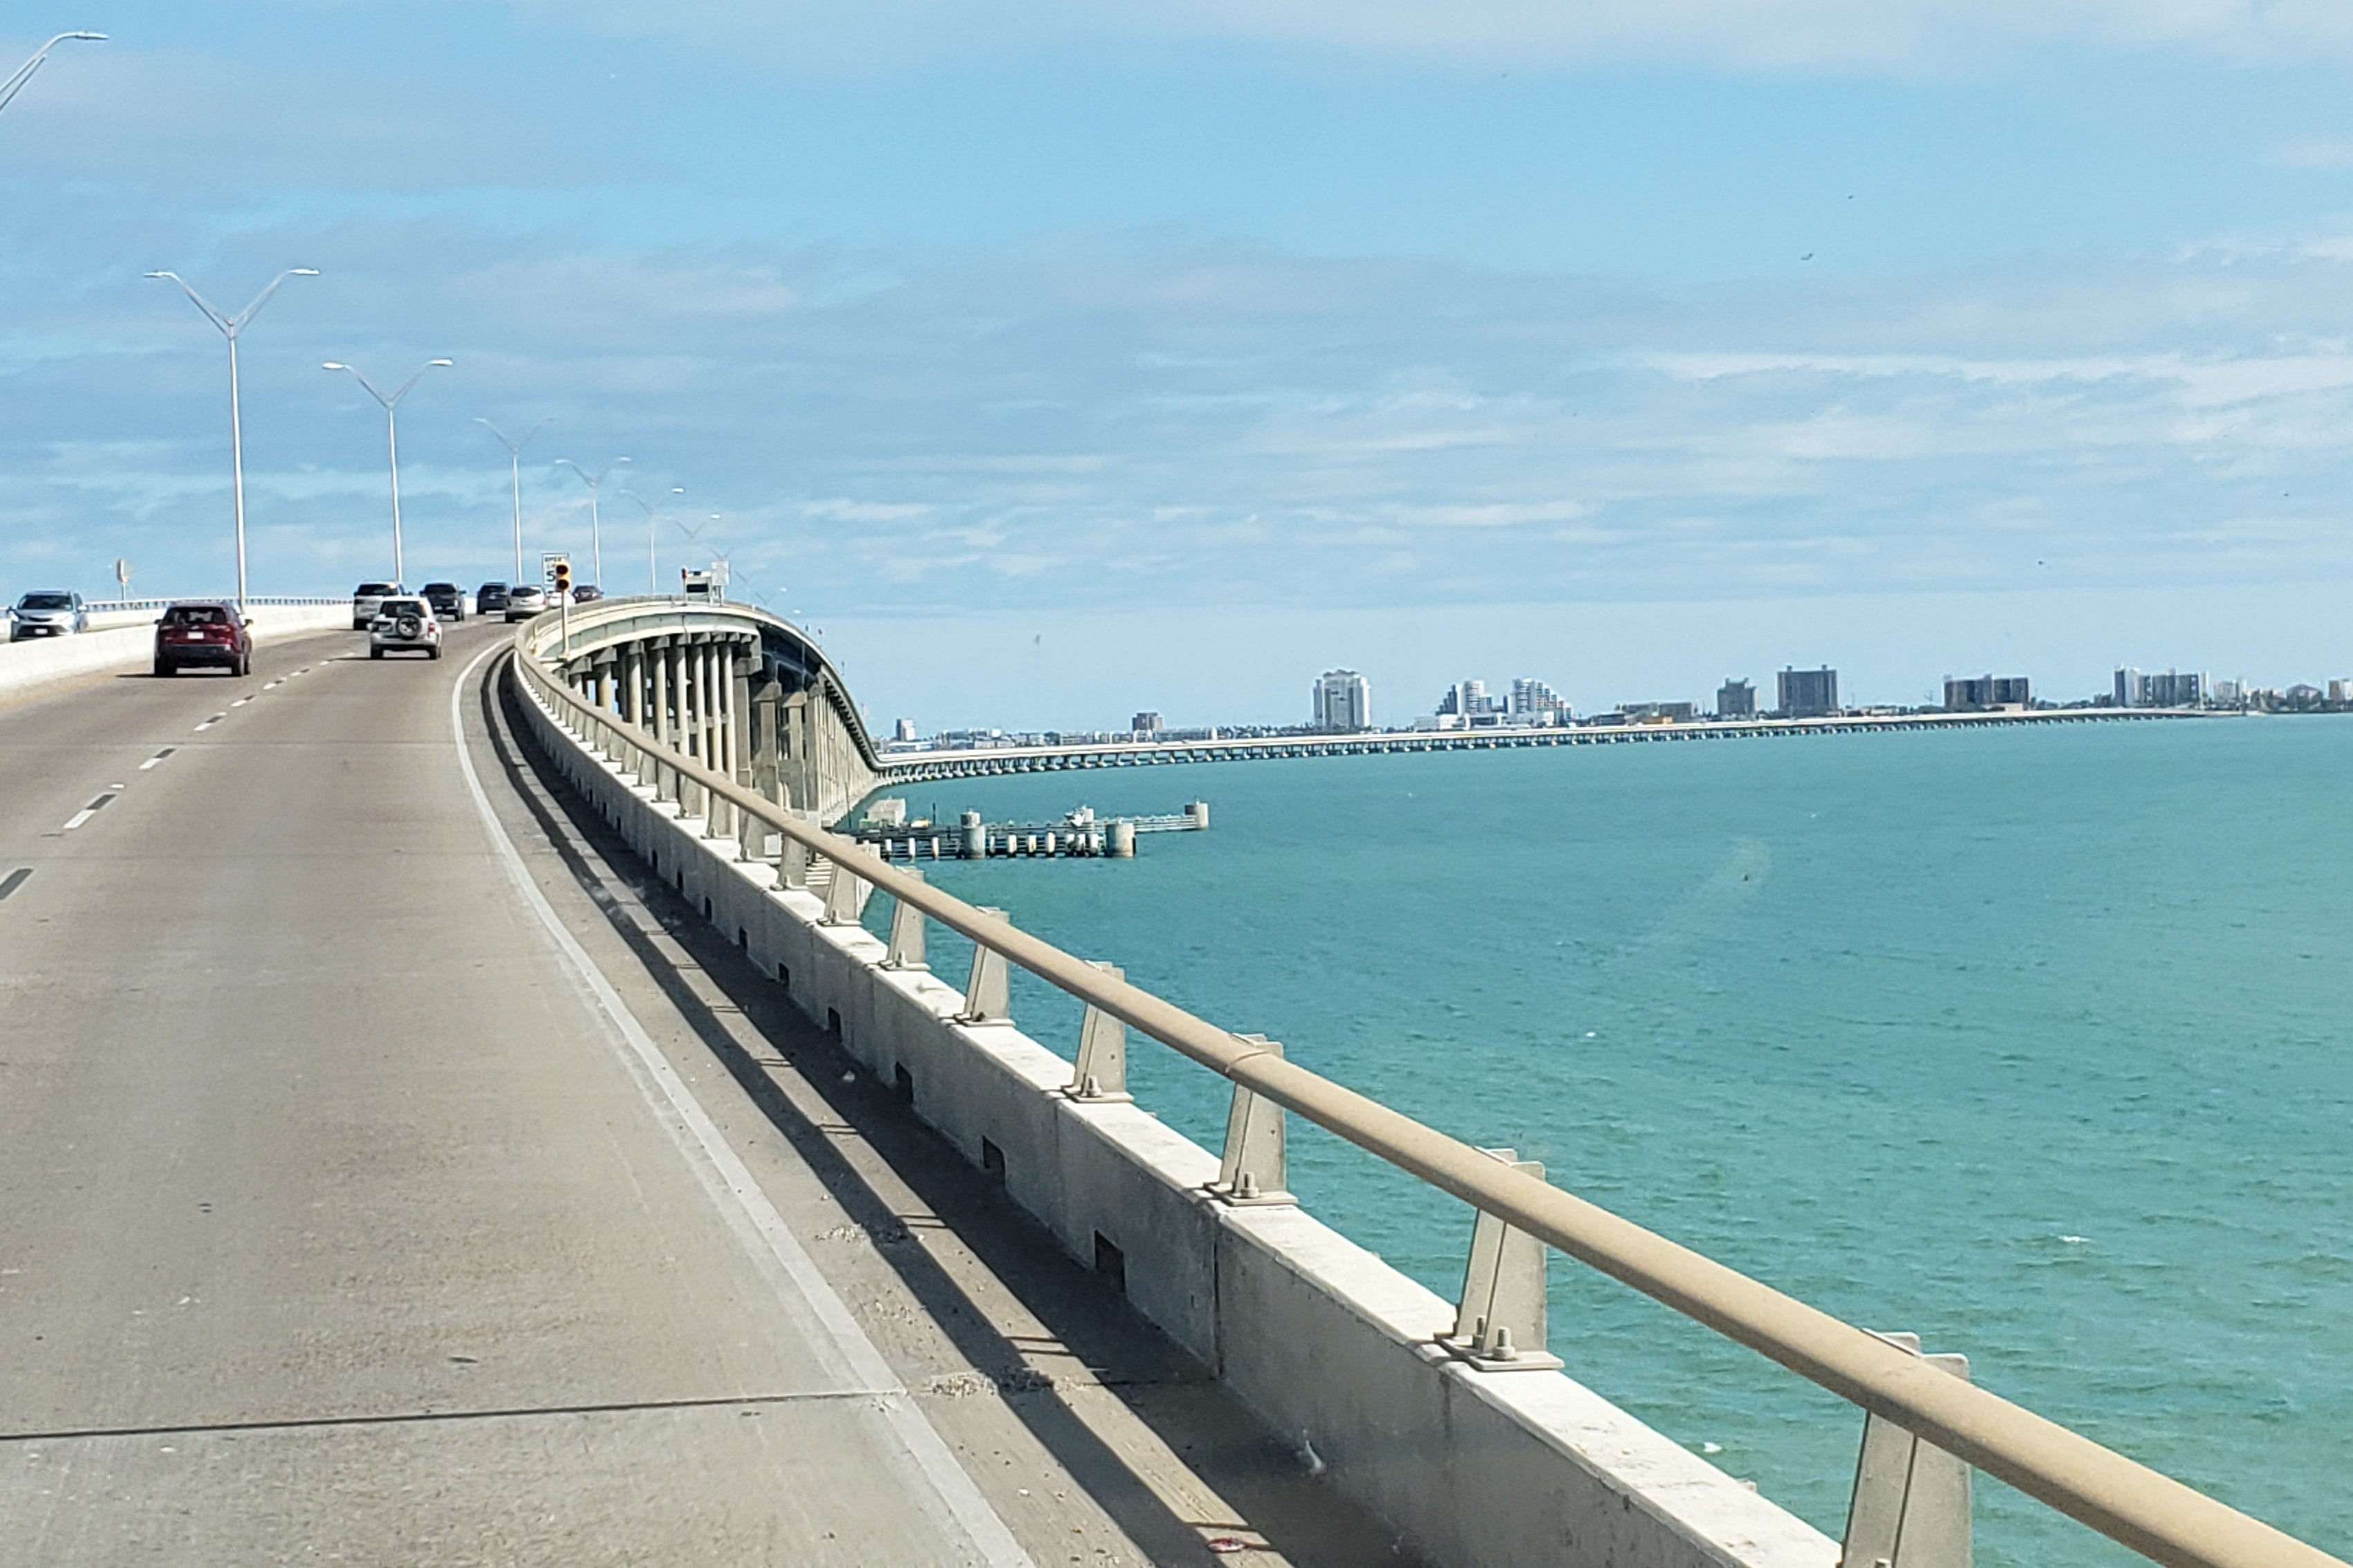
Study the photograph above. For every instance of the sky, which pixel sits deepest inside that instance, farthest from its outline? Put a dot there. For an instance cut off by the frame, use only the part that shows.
(1060, 358)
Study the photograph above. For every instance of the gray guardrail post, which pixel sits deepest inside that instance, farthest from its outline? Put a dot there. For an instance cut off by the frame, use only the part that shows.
(1500, 1325)
(1912, 1502)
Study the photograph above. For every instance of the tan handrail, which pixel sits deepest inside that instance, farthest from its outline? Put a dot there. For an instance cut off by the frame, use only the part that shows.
(2125, 1500)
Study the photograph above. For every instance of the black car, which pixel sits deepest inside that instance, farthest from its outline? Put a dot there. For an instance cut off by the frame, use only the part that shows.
(586, 593)
(447, 599)
(490, 599)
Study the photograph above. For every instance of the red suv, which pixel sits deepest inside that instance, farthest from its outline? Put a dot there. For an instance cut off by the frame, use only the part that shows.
(208, 632)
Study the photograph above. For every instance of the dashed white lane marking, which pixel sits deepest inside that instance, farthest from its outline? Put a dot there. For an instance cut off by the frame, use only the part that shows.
(241, 701)
(731, 1182)
(87, 812)
(272, 685)
(14, 880)
(210, 723)
(157, 758)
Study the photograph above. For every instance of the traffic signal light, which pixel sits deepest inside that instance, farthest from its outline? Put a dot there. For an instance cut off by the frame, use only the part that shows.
(564, 579)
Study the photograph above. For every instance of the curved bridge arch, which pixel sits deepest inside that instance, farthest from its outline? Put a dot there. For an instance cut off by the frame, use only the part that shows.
(746, 691)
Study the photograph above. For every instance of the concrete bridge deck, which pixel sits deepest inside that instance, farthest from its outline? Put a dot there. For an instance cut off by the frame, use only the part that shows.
(389, 1177)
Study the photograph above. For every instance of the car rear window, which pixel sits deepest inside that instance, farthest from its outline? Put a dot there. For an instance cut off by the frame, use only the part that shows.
(195, 615)
(46, 602)
(403, 606)
(371, 590)
(440, 587)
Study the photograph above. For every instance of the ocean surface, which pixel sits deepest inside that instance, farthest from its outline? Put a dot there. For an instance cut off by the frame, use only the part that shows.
(2033, 1041)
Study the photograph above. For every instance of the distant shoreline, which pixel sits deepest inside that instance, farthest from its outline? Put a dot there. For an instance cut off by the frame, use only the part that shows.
(920, 767)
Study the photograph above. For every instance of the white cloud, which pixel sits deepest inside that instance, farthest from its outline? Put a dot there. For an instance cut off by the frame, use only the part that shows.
(1910, 35)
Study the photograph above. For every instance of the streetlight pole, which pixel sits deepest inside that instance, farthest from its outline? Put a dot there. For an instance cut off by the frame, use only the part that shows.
(23, 73)
(514, 472)
(391, 445)
(231, 327)
(653, 573)
(596, 526)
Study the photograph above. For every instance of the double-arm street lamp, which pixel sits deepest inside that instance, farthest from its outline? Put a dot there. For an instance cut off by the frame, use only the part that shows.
(514, 473)
(391, 443)
(230, 327)
(653, 573)
(23, 73)
(596, 527)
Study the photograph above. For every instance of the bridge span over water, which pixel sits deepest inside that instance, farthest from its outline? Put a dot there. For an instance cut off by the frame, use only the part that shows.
(471, 1112)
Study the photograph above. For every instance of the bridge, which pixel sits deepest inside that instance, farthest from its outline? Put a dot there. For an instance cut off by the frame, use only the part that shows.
(474, 1111)
(898, 767)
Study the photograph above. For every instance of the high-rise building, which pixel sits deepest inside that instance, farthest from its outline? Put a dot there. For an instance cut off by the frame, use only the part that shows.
(2174, 689)
(1806, 693)
(1536, 702)
(1976, 694)
(1469, 699)
(906, 730)
(1344, 702)
(1145, 724)
(1735, 700)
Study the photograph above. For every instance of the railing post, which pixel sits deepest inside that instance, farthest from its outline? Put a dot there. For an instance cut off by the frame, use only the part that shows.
(987, 991)
(1254, 1173)
(1100, 1075)
(792, 864)
(841, 897)
(906, 934)
(1500, 1325)
(1912, 1501)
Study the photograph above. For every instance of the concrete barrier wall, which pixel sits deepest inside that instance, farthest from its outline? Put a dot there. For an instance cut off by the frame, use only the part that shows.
(1332, 1348)
(42, 663)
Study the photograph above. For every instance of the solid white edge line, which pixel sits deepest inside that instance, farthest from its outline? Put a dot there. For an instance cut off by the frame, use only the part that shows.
(922, 1444)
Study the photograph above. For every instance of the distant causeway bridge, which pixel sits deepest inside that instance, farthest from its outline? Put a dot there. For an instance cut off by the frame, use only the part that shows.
(900, 767)
(761, 697)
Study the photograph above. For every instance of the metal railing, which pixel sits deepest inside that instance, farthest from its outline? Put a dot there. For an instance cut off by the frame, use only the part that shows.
(2151, 1514)
(100, 606)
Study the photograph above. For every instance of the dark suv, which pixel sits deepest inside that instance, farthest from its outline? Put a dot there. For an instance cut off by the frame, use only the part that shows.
(206, 632)
(490, 599)
(447, 599)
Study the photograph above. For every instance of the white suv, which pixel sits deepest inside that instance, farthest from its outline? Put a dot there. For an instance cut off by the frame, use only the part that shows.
(367, 599)
(405, 625)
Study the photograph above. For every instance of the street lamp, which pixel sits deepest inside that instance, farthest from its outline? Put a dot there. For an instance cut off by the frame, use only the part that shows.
(596, 527)
(653, 573)
(23, 73)
(514, 468)
(391, 444)
(230, 327)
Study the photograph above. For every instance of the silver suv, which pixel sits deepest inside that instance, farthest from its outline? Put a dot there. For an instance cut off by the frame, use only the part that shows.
(367, 599)
(405, 625)
(47, 613)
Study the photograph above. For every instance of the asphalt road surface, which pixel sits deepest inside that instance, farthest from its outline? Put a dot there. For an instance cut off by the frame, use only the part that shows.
(342, 1221)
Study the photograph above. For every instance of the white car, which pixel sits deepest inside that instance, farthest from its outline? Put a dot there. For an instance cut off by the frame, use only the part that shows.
(405, 625)
(526, 600)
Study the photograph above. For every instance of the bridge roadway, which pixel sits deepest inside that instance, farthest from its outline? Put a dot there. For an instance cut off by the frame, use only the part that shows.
(377, 1192)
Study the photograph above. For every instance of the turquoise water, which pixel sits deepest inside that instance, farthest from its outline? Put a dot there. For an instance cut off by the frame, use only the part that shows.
(2032, 1041)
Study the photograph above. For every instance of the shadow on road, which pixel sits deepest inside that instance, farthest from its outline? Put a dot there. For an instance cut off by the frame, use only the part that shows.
(1087, 1321)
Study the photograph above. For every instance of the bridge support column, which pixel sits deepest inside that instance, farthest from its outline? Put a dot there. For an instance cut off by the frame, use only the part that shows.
(658, 660)
(690, 722)
(711, 694)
